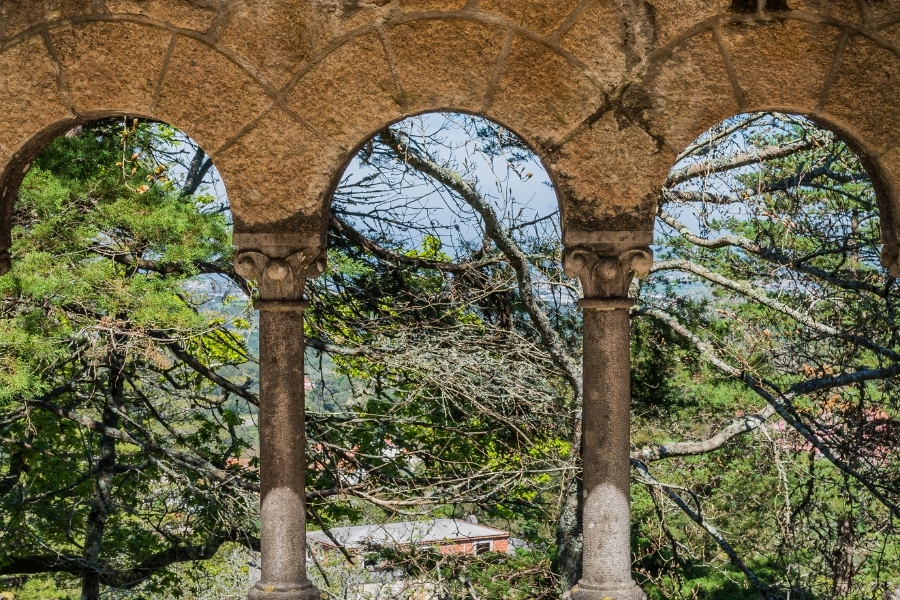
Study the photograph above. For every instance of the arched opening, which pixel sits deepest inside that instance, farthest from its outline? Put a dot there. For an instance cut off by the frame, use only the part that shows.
(767, 331)
(127, 380)
(445, 379)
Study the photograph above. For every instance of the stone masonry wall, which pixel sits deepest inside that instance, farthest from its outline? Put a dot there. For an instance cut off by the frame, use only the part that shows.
(608, 92)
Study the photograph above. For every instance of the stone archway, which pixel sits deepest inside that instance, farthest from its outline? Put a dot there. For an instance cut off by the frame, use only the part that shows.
(608, 92)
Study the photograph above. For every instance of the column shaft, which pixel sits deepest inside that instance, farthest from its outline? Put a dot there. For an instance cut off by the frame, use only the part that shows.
(606, 520)
(282, 459)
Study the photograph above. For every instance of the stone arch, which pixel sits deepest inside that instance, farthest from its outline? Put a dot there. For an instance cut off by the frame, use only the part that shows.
(830, 71)
(78, 71)
(425, 63)
(606, 97)
(518, 63)
(281, 92)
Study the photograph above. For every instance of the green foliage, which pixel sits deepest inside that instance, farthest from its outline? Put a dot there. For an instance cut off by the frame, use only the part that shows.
(105, 283)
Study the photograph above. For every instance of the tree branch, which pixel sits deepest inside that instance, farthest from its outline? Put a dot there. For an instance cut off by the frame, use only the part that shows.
(695, 515)
(736, 161)
(745, 289)
(737, 428)
(780, 401)
(208, 373)
(416, 262)
(504, 242)
(770, 254)
(149, 447)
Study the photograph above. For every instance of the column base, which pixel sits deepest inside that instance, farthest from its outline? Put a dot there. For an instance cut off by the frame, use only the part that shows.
(305, 591)
(586, 591)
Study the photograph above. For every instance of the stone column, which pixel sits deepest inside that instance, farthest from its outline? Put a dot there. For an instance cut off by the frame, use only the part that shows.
(606, 272)
(281, 264)
(5, 261)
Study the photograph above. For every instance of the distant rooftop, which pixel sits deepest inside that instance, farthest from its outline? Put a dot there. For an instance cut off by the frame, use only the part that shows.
(409, 533)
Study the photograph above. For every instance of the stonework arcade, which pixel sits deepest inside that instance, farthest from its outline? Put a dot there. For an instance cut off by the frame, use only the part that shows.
(281, 93)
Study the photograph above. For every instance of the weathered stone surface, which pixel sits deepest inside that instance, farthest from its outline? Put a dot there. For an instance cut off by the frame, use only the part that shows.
(607, 443)
(29, 94)
(225, 90)
(282, 451)
(19, 15)
(540, 95)
(863, 98)
(207, 95)
(610, 174)
(685, 94)
(334, 20)
(778, 75)
(350, 94)
(275, 36)
(445, 63)
(887, 185)
(277, 174)
(881, 11)
(111, 67)
(596, 39)
(417, 5)
(836, 9)
(891, 34)
(674, 18)
(179, 13)
(537, 15)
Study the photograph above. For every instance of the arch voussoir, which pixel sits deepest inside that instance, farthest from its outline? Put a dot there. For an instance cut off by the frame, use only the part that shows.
(609, 174)
(206, 95)
(111, 67)
(29, 94)
(863, 96)
(773, 74)
(539, 16)
(179, 13)
(350, 92)
(277, 37)
(279, 175)
(541, 94)
(684, 93)
(21, 15)
(424, 5)
(445, 63)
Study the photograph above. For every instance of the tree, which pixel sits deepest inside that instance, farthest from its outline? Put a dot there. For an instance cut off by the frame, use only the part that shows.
(117, 431)
(775, 221)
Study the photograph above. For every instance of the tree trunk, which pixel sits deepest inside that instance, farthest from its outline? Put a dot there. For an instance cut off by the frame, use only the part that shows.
(843, 559)
(569, 540)
(105, 473)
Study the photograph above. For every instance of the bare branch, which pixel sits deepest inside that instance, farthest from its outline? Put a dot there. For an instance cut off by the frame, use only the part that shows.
(729, 163)
(737, 428)
(747, 290)
(770, 254)
(416, 262)
(504, 242)
(780, 401)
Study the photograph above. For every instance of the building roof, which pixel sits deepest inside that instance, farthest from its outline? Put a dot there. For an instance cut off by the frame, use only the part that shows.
(408, 533)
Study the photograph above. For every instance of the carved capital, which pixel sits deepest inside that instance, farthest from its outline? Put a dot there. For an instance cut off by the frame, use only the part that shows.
(607, 276)
(280, 264)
